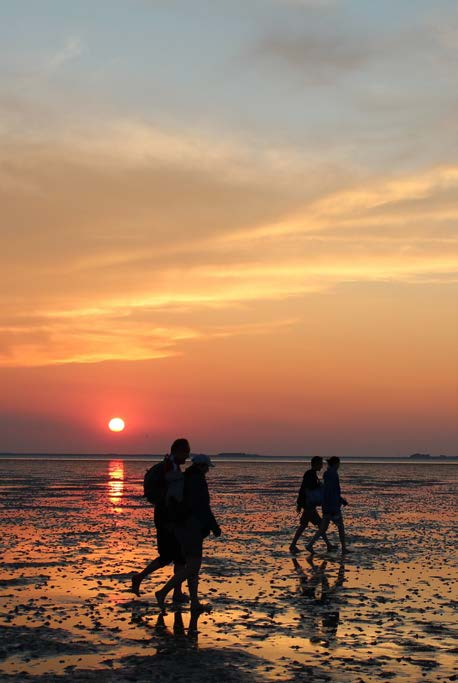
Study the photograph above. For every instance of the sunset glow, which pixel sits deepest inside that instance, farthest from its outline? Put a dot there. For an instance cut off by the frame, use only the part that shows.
(240, 227)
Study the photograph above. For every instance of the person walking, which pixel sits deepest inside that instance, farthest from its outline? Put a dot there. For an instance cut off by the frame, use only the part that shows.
(165, 482)
(332, 505)
(192, 524)
(309, 498)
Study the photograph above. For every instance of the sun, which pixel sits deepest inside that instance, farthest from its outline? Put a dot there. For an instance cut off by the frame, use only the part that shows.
(116, 424)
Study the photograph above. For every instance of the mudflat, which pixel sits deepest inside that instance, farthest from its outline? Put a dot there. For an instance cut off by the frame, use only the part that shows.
(73, 532)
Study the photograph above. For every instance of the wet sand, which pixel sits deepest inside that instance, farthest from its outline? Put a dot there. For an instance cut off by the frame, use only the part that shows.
(73, 533)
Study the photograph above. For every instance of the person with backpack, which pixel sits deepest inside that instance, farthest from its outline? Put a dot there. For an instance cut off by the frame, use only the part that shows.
(332, 505)
(192, 524)
(163, 487)
(309, 498)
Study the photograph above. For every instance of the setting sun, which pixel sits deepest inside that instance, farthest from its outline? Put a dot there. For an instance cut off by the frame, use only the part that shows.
(116, 424)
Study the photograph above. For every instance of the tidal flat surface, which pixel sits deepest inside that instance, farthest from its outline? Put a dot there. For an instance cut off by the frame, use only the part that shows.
(74, 531)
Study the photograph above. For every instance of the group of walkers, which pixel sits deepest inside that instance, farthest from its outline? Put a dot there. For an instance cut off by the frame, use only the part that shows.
(183, 517)
(314, 493)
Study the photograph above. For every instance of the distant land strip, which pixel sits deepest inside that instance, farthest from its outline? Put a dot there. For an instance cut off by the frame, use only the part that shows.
(226, 457)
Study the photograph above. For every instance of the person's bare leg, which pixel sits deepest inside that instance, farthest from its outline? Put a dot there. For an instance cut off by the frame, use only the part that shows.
(321, 530)
(178, 595)
(149, 569)
(343, 540)
(299, 531)
(324, 535)
(192, 566)
(193, 585)
(325, 538)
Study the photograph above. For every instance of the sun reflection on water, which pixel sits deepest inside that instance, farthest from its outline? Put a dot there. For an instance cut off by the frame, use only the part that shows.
(116, 483)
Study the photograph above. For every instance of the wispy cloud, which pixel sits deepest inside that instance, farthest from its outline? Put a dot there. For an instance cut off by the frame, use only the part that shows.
(113, 334)
(71, 49)
(317, 56)
(114, 253)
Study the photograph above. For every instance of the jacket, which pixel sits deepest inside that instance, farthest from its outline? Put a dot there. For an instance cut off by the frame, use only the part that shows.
(197, 499)
(332, 500)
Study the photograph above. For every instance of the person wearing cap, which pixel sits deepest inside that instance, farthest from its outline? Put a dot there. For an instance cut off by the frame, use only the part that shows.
(309, 498)
(332, 505)
(192, 524)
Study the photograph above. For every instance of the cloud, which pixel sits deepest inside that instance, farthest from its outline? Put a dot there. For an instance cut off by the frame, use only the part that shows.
(332, 44)
(72, 49)
(113, 251)
(427, 196)
(318, 56)
(111, 334)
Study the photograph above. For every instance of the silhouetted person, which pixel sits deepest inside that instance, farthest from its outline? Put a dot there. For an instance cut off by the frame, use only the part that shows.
(310, 496)
(192, 524)
(332, 505)
(168, 482)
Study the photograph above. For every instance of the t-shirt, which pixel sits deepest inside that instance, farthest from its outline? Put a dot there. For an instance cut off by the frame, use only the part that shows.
(310, 482)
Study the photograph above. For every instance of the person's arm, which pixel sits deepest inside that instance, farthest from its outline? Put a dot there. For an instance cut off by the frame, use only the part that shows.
(214, 526)
(202, 509)
(300, 502)
(343, 501)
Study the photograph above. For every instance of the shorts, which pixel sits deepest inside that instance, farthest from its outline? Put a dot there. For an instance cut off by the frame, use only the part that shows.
(310, 515)
(335, 517)
(168, 548)
(190, 538)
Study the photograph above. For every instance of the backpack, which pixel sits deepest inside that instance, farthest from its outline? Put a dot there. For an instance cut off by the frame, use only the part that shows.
(154, 484)
(314, 497)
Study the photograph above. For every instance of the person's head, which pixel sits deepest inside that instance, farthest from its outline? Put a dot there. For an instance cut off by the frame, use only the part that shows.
(180, 449)
(202, 461)
(334, 462)
(317, 463)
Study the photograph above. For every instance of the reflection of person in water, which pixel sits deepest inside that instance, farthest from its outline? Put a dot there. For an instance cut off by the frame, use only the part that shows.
(174, 653)
(315, 586)
(142, 618)
(179, 629)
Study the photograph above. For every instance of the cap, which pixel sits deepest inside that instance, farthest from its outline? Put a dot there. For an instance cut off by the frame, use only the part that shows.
(333, 460)
(201, 459)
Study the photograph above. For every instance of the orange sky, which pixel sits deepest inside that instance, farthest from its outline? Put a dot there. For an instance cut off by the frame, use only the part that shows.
(268, 264)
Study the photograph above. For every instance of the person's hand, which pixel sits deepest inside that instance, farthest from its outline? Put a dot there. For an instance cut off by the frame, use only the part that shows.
(217, 532)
